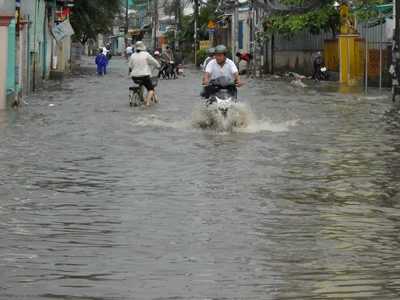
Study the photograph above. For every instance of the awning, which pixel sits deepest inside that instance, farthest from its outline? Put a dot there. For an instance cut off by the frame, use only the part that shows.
(134, 31)
(147, 27)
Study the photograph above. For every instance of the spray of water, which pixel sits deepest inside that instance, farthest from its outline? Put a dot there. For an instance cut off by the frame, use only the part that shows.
(240, 118)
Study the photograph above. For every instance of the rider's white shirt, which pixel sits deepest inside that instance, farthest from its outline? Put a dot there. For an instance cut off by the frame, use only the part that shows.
(139, 63)
(215, 70)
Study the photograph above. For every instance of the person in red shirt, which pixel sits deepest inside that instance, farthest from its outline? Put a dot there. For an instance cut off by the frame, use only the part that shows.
(246, 57)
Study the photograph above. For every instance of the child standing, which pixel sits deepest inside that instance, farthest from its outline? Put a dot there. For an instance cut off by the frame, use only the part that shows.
(101, 62)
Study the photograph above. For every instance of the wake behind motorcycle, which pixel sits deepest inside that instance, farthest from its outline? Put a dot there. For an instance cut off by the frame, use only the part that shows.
(220, 95)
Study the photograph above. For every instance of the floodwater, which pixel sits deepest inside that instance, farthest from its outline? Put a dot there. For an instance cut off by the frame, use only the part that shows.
(298, 200)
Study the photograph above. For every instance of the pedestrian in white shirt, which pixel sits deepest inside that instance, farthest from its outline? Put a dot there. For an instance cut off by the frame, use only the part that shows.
(128, 52)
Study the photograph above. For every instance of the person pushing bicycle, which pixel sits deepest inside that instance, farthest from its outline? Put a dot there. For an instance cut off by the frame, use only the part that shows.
(139, 64)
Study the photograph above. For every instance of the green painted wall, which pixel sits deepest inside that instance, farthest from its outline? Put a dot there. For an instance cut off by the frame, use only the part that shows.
(11, 56)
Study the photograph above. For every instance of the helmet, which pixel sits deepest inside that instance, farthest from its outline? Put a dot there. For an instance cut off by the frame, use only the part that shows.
(221, 49)
(156, 53)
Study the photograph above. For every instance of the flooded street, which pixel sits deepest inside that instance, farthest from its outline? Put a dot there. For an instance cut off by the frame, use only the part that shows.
(99, 200)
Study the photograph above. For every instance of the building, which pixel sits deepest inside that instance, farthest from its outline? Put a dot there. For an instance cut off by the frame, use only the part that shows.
(32, 52)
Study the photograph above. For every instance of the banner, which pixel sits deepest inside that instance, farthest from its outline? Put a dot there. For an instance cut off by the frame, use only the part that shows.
(62, 31)
(62, 15)
(204, 44)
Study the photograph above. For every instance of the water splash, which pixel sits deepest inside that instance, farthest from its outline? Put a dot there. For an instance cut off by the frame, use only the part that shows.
(240, 119)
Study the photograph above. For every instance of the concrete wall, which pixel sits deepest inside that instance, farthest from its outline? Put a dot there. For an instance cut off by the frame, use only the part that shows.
(301, 62)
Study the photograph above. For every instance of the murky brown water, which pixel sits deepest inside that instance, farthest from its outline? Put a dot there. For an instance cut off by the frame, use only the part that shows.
(102, 201)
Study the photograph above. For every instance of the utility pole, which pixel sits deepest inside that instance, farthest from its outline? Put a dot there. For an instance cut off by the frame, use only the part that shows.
(177, 23)
(196, 29)
(236, 30)
(126, 24)
(396, 50)
(155, 17)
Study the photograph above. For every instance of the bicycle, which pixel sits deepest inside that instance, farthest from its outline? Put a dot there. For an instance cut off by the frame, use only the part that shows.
(136, 98)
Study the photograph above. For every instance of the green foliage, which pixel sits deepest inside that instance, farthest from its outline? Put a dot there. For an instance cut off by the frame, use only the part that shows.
(323, 19)
(202, 55)
(206, 14)
(186, 33)
(169, 35)
(91, 17)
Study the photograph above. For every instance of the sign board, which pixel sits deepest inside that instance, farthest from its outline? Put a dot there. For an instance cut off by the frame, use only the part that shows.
(210, 25)
(62, 31)
(204, 44)
(211, 31)
(76, 51)
(160, 30)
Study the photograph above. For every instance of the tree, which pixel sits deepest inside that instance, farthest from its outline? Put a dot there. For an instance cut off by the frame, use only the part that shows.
(314, 15)
(91, 17)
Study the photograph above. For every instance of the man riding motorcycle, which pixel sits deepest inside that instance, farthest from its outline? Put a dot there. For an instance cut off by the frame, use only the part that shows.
(221, 66)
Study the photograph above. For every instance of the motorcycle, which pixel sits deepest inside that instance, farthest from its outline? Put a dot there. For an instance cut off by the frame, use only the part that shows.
(220, 94)
(180, 69)
(171, 69)
(322, 74)
(108, 54)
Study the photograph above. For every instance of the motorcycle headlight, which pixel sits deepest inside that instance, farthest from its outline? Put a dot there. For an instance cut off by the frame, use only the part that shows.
(223, 94)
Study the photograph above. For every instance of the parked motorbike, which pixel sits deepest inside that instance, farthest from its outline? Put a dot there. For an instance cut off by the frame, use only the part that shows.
(321, 74)
(220, 94)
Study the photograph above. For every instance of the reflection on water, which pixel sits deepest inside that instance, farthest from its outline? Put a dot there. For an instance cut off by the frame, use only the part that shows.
(295, 197)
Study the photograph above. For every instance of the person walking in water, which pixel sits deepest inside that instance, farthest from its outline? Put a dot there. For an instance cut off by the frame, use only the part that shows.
(101, 62)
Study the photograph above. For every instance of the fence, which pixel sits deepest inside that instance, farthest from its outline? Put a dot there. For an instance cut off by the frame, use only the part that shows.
(331, 54)
(359, 57)
(332, 60)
